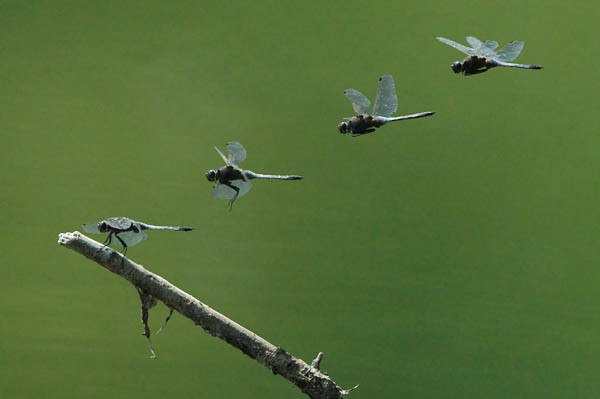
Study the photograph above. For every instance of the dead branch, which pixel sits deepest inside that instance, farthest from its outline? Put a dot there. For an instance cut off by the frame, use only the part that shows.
(309, 379)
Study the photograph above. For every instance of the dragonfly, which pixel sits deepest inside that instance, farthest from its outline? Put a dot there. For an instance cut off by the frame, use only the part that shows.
(232, 182)
(482, 55)
(127, 231)
(386, 103)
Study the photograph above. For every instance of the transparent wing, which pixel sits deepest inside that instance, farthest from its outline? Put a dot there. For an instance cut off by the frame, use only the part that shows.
(244, 186)
(237, 152)
(474, 42)
(91, 228)
(386, 102)
(221, 191)
(510, 51)
(491, 44)
(131, 237)
(459, 47)
(223, 156)
(360, 103)
(487, 49)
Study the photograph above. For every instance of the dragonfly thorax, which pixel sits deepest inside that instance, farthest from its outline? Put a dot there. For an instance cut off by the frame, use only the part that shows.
(360, 124)
(225, 174)
(472, 65)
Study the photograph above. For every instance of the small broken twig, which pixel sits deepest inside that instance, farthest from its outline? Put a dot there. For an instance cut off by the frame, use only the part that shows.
(166, 321)
(307, 378)
(148, 302)
(317, 362)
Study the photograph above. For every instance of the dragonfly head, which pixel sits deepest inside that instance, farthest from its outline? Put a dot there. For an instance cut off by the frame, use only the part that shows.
(343, 127)
(211, 175)
(102, 227)
(456, 66)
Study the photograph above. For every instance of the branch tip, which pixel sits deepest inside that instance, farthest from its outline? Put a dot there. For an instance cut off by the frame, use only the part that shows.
(347, 391)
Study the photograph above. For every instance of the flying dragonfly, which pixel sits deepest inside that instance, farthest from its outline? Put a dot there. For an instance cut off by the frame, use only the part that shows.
(482, 55)
(233, 182)
(127, 231)
(386, 103)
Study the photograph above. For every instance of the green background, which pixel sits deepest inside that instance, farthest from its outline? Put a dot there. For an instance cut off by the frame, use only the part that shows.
(451, 256)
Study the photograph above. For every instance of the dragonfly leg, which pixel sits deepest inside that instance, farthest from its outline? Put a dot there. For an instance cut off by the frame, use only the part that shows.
(237, 191)
(122, 243)
(488, 65)
(107, 241)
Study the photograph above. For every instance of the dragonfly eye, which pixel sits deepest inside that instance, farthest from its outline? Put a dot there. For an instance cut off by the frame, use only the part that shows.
(456, 66)
(211, 175)
(102, 227)
(343, 127)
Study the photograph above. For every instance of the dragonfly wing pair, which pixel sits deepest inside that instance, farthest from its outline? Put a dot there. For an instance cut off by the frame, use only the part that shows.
(386, 101)
(386, 104)
(131, 237)
(236, 152)
(487, 49)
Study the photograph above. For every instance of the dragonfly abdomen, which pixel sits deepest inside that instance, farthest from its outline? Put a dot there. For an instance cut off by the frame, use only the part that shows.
(379, 121)
(145, 226)
(411, 116)
(252, 175)
(524, 66)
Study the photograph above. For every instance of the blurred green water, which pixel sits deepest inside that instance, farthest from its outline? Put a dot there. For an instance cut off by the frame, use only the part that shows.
(453, 256)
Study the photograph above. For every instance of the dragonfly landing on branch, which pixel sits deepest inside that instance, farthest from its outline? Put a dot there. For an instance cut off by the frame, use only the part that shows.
(386, 103)
(482, 55)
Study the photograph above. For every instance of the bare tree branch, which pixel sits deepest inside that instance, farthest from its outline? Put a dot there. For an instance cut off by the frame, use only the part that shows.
(308, 378)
